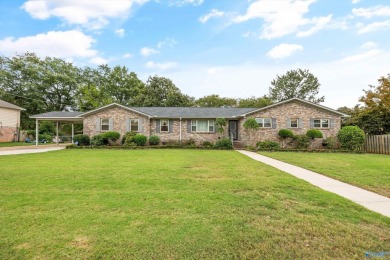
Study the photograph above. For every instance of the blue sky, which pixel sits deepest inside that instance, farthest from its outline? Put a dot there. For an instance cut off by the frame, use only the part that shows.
(232, 48)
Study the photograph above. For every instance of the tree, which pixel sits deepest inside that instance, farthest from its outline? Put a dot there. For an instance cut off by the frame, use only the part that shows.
(216, 101)
(295, 84)
(374, 117)
(220, 123)
(255, 102)
(160, 91)
(38, 85)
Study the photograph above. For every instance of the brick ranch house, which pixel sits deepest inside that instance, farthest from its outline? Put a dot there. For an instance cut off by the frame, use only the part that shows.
(198, 123)
(9, 121)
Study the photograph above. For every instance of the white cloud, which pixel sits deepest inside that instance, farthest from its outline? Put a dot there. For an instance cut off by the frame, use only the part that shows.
(372, 27)
(170, 42)
(98, 61)
(370, 12)
(281, 17)
(127, 55)
(284, 50)
(362, 56)
(214, 13)
(369, 45)
(355, 1)
(160, 66)
(319, 24)
(120, 32)
(146, 51)
(180, 3)
(90, 14)
(61, 44)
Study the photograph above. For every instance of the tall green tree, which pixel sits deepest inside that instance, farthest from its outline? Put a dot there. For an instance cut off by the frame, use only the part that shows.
(374, 118)
(255, 102)
(295, 84)
(216, 101)
(38, 85)
(160, 91)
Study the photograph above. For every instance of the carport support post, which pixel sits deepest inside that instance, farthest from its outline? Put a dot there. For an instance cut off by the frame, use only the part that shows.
(36, 132)
(57, 134)
(72, 132)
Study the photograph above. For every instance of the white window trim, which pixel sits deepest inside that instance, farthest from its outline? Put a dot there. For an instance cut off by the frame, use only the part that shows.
(135, 119)
(161, 131)
(291, 122)
(208, 126)
(101, 124)
(321, 126)
(262, 119)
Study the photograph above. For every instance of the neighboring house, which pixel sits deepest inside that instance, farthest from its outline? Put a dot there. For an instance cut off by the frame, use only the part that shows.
(178, 124)
(9, 121)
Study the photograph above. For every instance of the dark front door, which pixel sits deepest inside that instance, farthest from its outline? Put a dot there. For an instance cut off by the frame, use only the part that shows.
(233, 129)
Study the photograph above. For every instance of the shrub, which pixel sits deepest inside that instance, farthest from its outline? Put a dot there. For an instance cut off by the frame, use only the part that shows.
(139, 139)
(220, 123)
(301, 141)
(154, 140)
(314, 133)
(268, 145)
(98, 140)
(251, 124)
(285, 133)
(127, 135)
(112, 136)
(189, 142)
(224, 143)
(330, 142)
(46, 138)
(82, 139)
(351, 137)
(207, 144)
(171, 143)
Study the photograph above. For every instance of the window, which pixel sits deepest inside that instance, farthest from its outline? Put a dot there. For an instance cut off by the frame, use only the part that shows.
(321, 123)
(294, 122)
(202, 126)
(164, 125)
(264, 122)
(134, 125)
(104, 124)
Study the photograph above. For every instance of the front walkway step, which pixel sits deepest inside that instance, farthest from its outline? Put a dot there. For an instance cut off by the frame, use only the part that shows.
(367, 199)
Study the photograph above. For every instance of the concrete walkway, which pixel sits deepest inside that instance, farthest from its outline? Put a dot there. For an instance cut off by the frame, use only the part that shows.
(367, 199)
(30, 149)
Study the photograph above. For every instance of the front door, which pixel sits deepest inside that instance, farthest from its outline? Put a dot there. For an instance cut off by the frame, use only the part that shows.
(233, 129)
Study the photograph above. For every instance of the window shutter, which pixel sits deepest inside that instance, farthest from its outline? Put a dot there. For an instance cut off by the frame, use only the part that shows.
(127, 124)
(214, 126)
(288, 122)
(273, 123)
(98, 125)
(331, 123)
(110, 124)
(311, 123)
(141, 125)
(189, 126)
(300, 123)
(157, 125)
(170, 122)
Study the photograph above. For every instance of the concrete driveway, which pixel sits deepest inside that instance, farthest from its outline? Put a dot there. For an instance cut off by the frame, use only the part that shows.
(30, 149)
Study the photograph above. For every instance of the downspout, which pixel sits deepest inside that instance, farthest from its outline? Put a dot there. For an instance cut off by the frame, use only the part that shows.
(180, 132)
(57, 134)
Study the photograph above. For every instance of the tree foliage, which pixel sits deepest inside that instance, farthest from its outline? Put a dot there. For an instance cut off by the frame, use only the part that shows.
(351, 137)
(216, 101)
(255, 102)
(295, 84)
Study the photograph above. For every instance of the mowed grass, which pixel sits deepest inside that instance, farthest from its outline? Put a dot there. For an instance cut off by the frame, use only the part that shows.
(368, 171)
(10, 144)
(173, 204)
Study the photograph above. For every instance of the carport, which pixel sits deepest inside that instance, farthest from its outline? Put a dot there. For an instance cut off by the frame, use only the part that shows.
(57, 117)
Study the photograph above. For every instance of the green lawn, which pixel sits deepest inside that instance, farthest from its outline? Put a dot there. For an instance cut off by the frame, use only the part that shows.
(159, 204)
(368, 171)
(9, 144)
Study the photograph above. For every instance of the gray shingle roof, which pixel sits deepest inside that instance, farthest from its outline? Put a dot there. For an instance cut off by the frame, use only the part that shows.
(192, 112)
(5, 104)
(57, 114)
